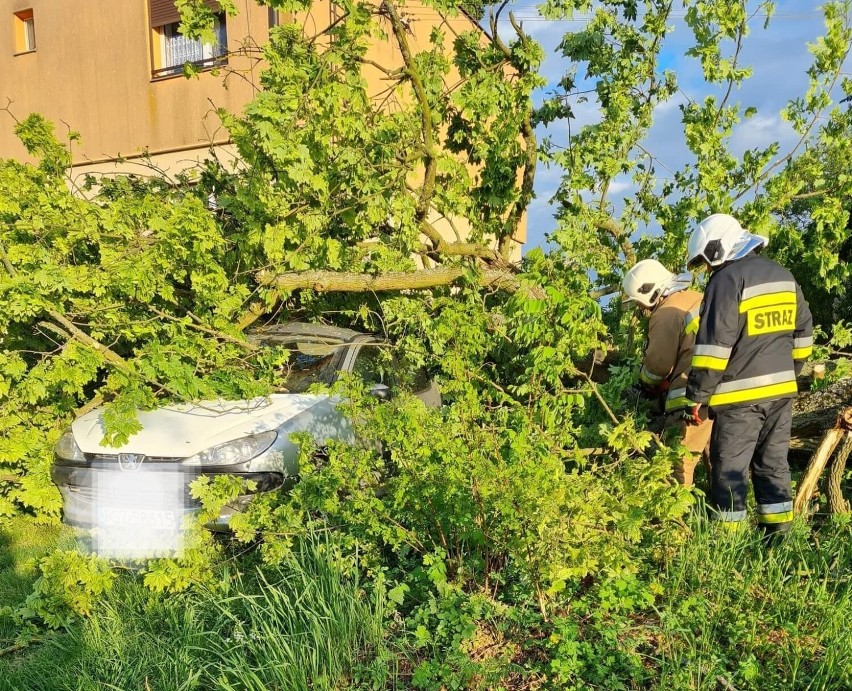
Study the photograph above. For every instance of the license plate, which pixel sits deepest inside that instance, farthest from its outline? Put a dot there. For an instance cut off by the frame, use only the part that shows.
(156, 519)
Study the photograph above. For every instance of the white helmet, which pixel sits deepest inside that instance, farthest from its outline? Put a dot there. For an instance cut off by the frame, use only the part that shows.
(720, 238)
(646, 283)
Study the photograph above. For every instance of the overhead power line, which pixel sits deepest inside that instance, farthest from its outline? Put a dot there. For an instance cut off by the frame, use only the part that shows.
(679, 17)
(531, 13)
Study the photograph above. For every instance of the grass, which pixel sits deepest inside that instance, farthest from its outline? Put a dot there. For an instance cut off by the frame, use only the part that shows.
(22, 544)
(757, 617)
(730, 613)
(298, 626)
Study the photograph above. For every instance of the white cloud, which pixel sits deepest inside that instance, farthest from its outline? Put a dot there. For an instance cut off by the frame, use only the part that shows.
(779, 56)
(760, 131)
(619, 186)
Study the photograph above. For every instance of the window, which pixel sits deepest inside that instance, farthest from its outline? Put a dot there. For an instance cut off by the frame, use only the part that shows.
(374, 364)
(176, 49)
(24, 32)
(172, 50)
(309, 361)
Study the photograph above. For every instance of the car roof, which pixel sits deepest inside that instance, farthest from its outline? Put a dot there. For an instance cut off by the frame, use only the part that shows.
(305, 329)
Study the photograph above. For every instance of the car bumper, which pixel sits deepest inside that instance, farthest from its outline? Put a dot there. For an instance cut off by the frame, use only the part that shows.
(83, 496)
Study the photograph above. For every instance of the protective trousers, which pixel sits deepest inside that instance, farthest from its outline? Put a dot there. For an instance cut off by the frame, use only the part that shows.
(752, 437)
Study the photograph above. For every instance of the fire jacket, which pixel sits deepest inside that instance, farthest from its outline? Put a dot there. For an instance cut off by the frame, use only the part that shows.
(755, 333)
(671, 336)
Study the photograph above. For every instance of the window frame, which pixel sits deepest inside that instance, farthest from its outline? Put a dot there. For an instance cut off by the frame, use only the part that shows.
(161, 34)
(24, 31)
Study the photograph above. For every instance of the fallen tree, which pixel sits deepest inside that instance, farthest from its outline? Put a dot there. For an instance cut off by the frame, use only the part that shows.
(814, 412)
(838, 435)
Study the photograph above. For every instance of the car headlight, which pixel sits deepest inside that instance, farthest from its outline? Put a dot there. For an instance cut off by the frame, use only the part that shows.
(233, 452)
(66, 448)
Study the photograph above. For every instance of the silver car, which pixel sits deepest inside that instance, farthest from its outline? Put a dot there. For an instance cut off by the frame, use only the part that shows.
(125, 487)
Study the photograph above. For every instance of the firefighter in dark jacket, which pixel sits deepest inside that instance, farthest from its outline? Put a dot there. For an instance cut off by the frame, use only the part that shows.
(672, 309)
(754, 336)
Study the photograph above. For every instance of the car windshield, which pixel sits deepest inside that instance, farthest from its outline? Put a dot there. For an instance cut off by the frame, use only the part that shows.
(309, 362)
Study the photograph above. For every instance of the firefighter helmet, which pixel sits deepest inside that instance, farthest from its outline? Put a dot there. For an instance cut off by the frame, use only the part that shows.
(720, 238)
(646, 283)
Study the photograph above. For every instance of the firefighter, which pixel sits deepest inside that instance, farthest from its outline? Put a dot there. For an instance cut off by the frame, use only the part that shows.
(755, 334)
(673, 322)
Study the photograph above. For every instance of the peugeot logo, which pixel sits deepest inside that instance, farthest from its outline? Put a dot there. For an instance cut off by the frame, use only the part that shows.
(130, 461)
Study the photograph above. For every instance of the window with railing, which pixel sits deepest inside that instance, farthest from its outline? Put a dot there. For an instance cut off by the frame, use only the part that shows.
(172, 50)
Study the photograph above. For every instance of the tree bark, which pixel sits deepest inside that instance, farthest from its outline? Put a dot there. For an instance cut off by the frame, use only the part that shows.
(836, 502)
(351, 282)
(828, 444)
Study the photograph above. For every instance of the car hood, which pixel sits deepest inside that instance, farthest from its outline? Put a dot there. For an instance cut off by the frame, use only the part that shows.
(180, 431)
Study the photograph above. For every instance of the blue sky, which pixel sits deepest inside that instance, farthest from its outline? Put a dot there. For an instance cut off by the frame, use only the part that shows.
(779, 56)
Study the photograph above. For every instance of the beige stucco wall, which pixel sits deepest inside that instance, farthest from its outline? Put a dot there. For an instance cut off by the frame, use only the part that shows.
(92, 70)
(165, 165)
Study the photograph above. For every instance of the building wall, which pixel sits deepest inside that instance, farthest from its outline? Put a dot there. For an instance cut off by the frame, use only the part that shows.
(92, 70)
(91, 73)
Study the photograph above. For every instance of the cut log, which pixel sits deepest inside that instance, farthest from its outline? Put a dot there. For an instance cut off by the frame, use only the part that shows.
(813, 472)
(815, 411)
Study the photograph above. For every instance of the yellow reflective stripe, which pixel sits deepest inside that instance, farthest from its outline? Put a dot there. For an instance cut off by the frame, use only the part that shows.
(767, 300)
(732, 526)
(679, 402)
(783, 517)
(802, 353)
(709, 362)
(676, 400)
(691, 322)
(754, 393)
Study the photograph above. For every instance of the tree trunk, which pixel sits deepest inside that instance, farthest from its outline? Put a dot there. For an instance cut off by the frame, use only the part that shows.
(829, 442)
(351, 282)
(836, 502)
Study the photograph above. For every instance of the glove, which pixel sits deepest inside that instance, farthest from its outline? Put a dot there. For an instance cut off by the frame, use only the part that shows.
(696, 415)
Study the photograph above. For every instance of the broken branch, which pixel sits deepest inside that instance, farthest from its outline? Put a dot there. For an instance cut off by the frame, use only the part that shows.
(351, 282)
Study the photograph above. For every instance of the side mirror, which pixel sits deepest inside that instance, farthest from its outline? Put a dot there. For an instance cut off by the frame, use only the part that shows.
(381, 391)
